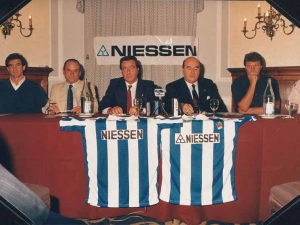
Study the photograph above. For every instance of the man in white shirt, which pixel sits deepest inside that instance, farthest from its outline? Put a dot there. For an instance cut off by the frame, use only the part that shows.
(66, 95)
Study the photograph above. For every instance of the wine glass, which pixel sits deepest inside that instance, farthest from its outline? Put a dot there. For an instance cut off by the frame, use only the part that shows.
(138, 104)
(291, 107)
(214, 105)
(49, 109)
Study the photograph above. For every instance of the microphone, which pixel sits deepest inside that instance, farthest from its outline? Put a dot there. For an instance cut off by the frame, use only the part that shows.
(159, 92)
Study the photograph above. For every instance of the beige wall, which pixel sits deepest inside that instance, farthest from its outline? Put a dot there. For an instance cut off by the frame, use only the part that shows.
(283, 50)
(35, 48)
(222, 45)
(67, 36)
(59, 35)
(212, 30)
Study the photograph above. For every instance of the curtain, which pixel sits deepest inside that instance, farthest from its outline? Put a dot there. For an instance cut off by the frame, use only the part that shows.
(135, 18)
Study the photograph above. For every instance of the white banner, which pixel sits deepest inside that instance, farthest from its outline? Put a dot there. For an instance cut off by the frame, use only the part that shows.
(149, 50)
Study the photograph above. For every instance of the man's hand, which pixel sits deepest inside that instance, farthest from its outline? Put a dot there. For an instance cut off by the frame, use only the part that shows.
(254, 110)
(187, 108)
(253, 77)
(53, 110)
(134, 110)
(76, 110)
(115, 110)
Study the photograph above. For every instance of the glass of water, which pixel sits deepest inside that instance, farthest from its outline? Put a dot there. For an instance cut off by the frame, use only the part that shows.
(214, 105)
(291, 107)
(138, 104)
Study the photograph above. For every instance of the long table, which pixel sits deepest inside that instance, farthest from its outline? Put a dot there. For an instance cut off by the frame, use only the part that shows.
(38, 152)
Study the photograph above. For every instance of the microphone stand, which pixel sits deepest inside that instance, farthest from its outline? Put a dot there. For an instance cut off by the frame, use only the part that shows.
(161, 106)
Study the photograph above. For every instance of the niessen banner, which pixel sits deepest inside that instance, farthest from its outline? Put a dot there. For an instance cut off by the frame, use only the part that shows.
(150, 50)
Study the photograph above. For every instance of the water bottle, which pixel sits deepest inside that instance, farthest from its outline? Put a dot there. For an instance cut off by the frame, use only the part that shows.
(269, 99)
(175, 106)
(85, 99)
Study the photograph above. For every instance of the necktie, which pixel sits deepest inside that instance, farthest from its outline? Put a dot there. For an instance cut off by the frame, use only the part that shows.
(195, 99)
(70, 98)
(129, 102)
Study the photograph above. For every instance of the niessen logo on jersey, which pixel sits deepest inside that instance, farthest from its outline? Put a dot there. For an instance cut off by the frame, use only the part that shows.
(197, 138)
(122, 134)
(149, 50)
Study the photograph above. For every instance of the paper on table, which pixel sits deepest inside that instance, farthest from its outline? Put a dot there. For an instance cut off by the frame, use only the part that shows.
(5, 114)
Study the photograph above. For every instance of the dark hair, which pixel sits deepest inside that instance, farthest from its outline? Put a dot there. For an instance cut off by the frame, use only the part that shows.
(16, 56)
(137, 63)
(127, 58)
(82, 70)
(188, 58)
(72, 60)
(254, 56)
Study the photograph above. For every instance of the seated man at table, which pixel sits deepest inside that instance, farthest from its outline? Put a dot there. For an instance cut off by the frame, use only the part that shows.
(294, 96)
(66, 95)
(248, 90)
(17, 93)
(122, 91)
(30, 205)
(192, 91)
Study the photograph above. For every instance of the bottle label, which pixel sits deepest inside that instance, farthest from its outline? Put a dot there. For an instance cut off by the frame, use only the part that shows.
(270, 108)
(88, 107)
(175, 106)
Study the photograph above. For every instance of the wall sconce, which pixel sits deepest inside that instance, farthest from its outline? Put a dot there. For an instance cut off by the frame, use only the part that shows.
(13, 22)
(269, 22)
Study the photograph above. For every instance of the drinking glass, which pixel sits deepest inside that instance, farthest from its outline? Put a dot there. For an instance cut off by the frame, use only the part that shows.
(138, 104)
(214, 105)
(291, 107)
(49, 109)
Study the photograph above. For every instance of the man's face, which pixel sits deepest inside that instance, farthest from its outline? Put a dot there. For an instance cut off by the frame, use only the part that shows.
(191, 70)
(72, 72)
(129, 71)
(253, 68)
(15, 68)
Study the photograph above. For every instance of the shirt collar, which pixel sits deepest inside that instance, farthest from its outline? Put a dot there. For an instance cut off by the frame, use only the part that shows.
(16, 86)
(190, 85)
(133, 84)
(74, 85)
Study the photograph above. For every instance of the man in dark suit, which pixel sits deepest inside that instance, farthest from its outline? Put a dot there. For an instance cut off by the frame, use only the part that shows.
(129, 86)
(193, 92)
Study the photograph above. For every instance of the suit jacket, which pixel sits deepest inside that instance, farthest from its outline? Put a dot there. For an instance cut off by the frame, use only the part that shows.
(59, 95)
(207, 90)
(116, 93)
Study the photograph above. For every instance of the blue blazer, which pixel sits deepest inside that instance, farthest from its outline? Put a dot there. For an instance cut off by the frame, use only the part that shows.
(116, 93)
(207, 90)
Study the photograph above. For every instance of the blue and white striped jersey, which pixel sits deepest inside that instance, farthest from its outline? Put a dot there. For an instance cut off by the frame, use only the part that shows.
(121, 160)
(198, 161)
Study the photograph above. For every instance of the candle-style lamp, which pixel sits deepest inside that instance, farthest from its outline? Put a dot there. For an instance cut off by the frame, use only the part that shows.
(13, 22)
(269, 23)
